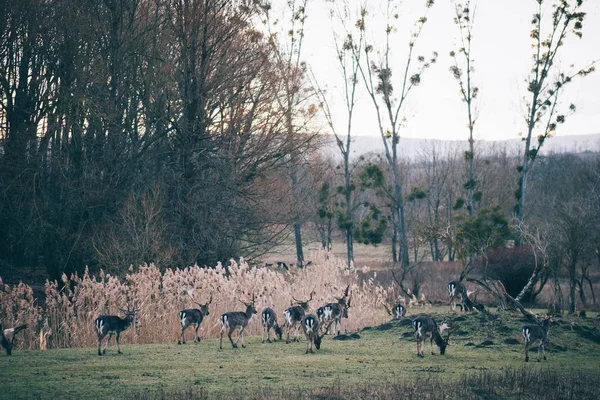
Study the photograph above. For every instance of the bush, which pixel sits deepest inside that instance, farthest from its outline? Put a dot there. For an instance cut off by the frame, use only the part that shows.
(511, 266)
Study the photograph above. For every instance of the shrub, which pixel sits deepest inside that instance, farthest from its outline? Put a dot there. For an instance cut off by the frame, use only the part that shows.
(512, 266)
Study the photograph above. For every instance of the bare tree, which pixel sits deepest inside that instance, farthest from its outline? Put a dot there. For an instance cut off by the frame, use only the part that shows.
(341, 13)
(546, 83)
(464, 19)
(389, 105)
(296, 93)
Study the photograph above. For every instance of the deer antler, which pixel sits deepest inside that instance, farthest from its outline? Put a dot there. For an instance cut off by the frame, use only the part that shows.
(449, 329)
(386, 308)
(326, 329)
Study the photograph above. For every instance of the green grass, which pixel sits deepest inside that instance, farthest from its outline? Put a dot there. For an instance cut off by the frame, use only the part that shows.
(379, 356)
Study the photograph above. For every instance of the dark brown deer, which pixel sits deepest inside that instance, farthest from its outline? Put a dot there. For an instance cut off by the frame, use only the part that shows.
(112, 325)
(234, 320)
(310, 326)
(425, 326)
(7, 337)
(532, 333)
(269, 321)
(294, 315)
(458, 291)
(193, 316)
(397, 312)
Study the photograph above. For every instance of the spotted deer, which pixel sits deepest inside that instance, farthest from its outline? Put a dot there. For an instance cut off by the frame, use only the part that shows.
(234, 320)
(336, 311)
(425, 326)
(310, 326)
(113, 325)
(458, 291)
(294, 315)
(397, 312)
(269, 321)
(193, 316)
(532, 333)
(7, 337)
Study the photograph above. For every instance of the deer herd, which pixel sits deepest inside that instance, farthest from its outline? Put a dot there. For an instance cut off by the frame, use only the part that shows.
(296, 318)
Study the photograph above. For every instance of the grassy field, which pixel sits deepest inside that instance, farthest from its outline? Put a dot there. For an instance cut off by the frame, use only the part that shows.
(384, 356)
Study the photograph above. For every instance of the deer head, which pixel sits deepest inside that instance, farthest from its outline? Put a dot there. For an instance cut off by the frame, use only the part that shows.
(304, 304)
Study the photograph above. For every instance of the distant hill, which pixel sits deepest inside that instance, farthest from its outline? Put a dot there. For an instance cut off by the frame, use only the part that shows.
(412, 148)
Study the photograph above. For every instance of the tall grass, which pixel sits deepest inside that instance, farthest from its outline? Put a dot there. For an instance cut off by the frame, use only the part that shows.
(71, 307)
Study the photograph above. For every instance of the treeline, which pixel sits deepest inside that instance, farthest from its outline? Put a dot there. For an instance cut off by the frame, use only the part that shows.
(135, 131)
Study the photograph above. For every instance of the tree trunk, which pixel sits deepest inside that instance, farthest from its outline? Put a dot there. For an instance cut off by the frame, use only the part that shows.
(572, 289)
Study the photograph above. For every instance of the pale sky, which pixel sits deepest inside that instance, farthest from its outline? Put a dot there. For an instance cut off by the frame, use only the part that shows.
(501, 49)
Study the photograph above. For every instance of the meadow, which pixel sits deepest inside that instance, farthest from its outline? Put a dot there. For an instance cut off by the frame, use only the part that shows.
(484, 360)
(56, 357)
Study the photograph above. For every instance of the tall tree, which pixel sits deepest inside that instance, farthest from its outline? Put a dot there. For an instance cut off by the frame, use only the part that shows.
(389, 105)
(342, 15)
(464, 19)
(546, 82)
(295, 99)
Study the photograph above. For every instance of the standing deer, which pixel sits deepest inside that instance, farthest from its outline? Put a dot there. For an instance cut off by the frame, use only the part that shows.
(310, 326)
(397, 312)
(269, 321)
(234, 320)
(425, 326)
(531, 333)
(113, 325)
(457, 290)
(194, 317)
(294, 315)
(336, 311)
(7, 337)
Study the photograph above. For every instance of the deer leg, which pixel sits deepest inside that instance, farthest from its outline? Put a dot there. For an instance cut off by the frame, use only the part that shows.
(287, 340)
(540, 350)
(544, 350)
(221, 340)
(118, 345)
(431, 344)
(181, 338)
(197, 336)
(526, 351)
(100, 344)
(297, 334)
(230, 339)
(242, 336)
(269, 334)
(107, 342)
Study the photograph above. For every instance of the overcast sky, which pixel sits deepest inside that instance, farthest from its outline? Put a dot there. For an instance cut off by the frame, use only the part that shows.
(502, 52)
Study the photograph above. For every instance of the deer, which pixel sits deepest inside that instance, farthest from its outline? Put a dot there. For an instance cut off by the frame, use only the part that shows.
(234, 320)
(113, 325)
(457, 290)
(293, 316)
(269, 321)
(425, 326)
(336, 311)
(397, 312)
(7, 337)
(310, 326)
(193, 316)
(532, 333)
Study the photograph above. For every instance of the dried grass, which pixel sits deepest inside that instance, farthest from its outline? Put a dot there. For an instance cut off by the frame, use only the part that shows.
(67, 317)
